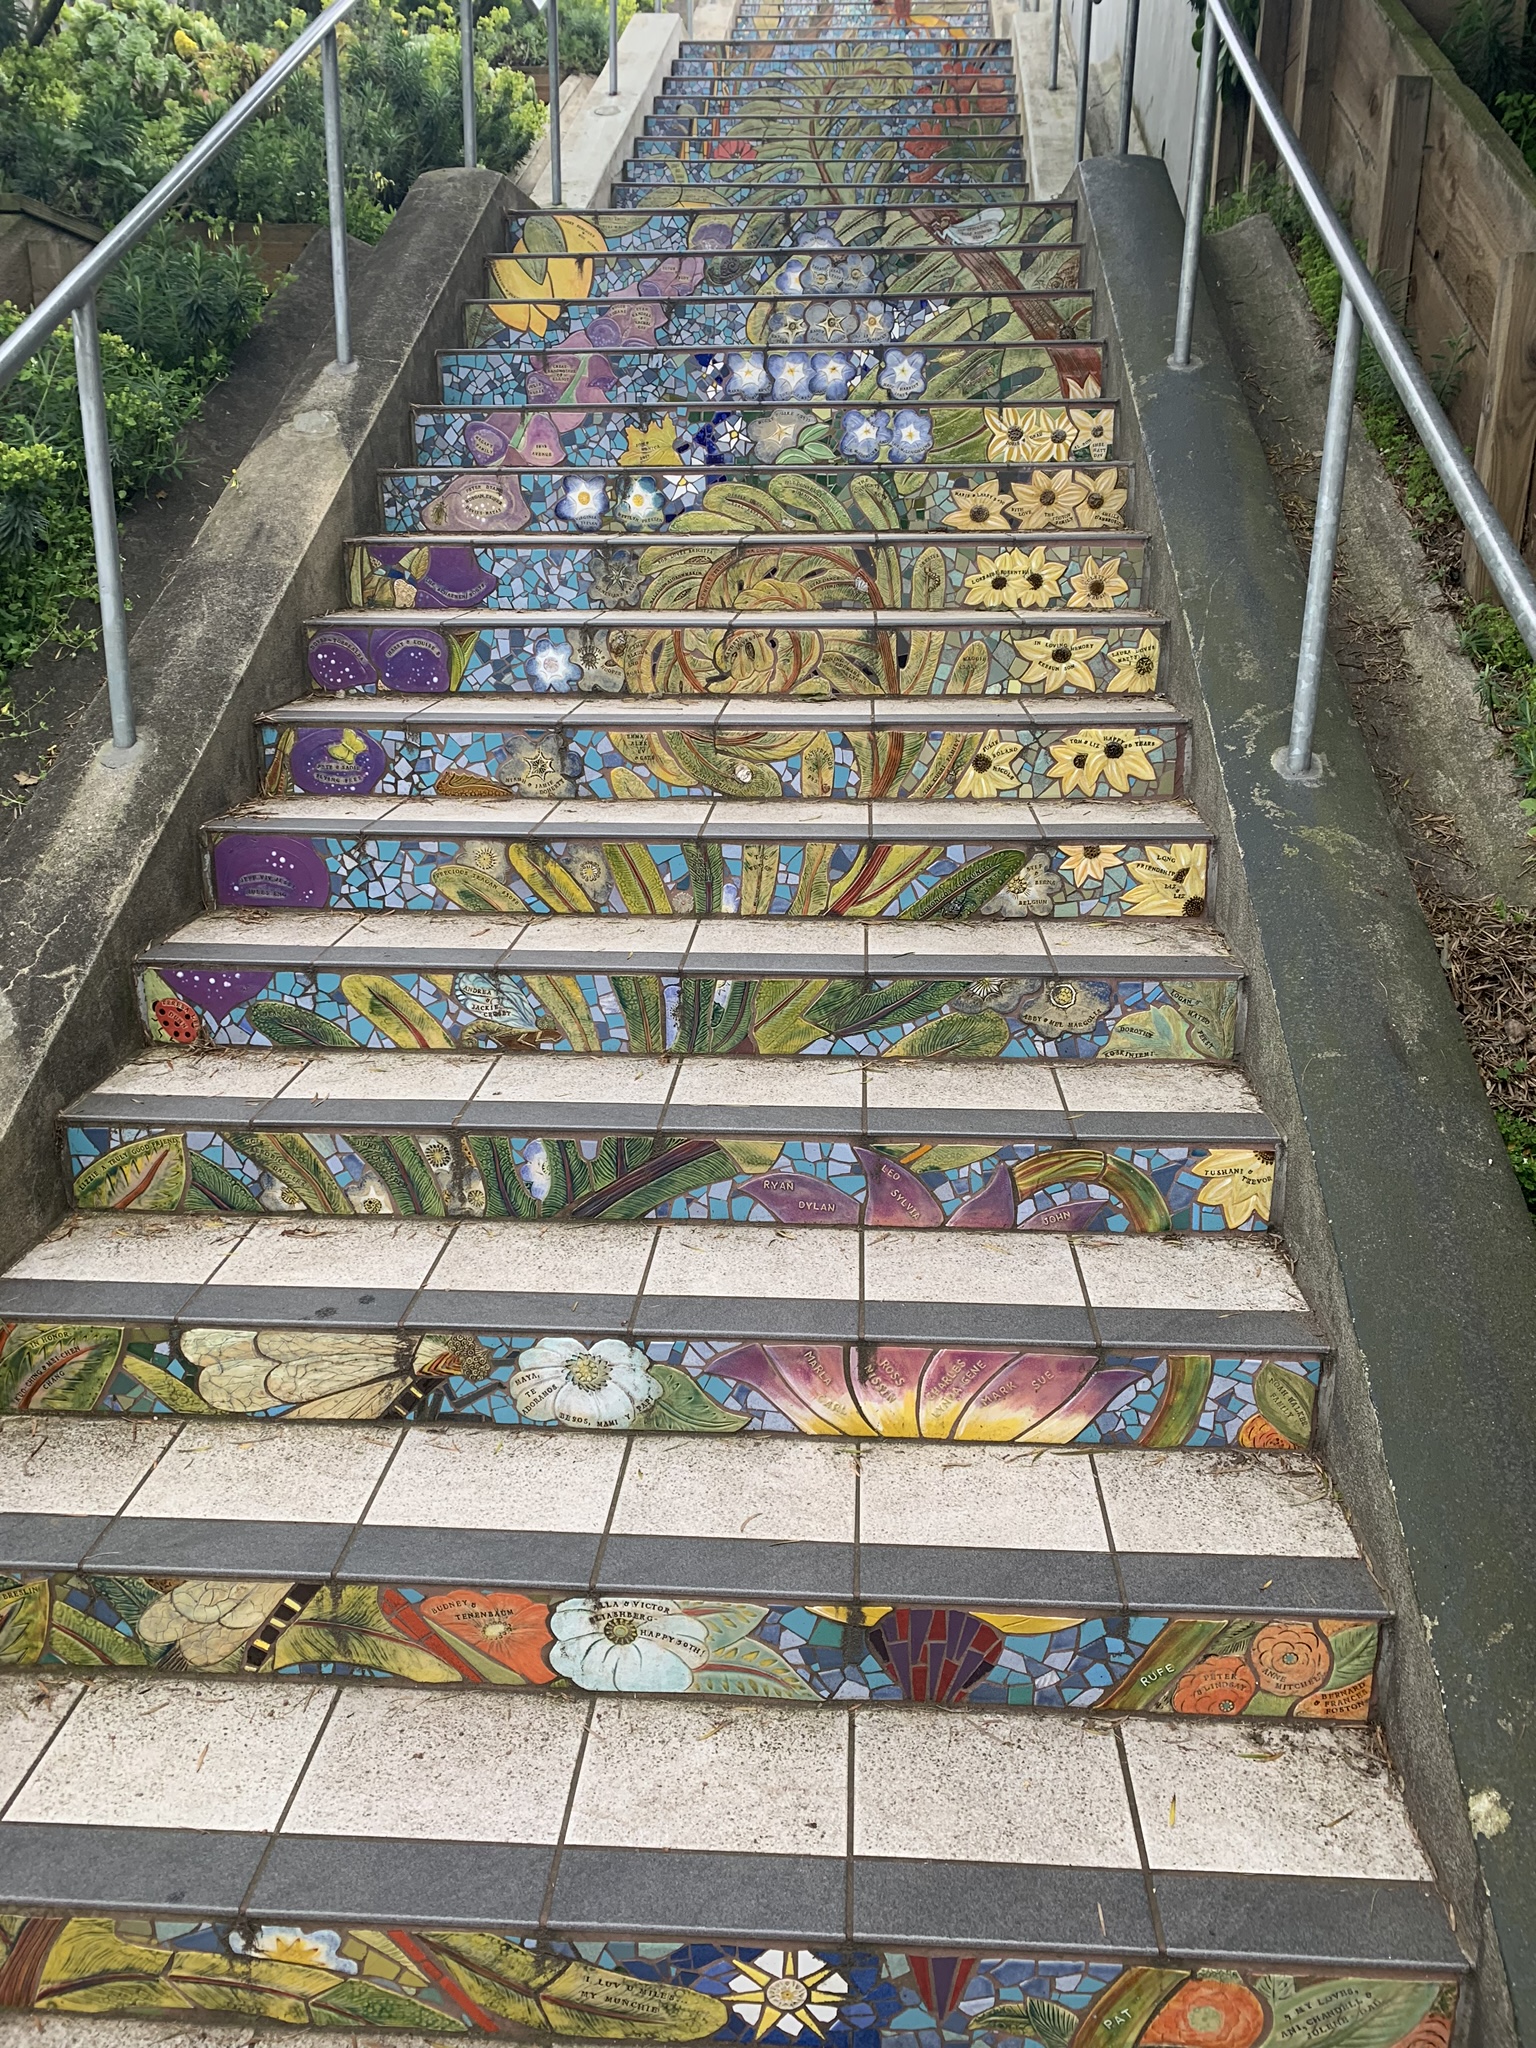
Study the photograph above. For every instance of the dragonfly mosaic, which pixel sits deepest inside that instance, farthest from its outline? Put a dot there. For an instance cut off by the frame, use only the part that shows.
(476, 1635)
(608, 761)
(642, 321)
(765, 657)
(489, 1985)
(827, 1183)
(1053, 576)
(977, 1393)
(1048, 497)
(690, 876)
(414, 1009)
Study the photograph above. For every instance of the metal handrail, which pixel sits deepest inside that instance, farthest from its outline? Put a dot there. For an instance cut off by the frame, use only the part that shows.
(75, 299)
(1361, 306)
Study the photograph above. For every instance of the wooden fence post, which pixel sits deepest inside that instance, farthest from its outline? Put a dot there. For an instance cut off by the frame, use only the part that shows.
(1506, 427)
(1389, 241)
(1270, 47)
(1314, 79)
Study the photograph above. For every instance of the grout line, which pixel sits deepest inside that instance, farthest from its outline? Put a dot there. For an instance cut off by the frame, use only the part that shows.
(849, 1823)
(613, 1508)
(641, 1283)
(293, 1792)
(133, 1492)
(373, 1493)
(1109, 1534)
(546, 1905)
(84, 1684)
(448, 1238)
(1088, 1305)
(1154, 1909)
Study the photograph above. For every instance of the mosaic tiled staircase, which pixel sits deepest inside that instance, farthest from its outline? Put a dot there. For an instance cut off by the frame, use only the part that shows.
(717, 990)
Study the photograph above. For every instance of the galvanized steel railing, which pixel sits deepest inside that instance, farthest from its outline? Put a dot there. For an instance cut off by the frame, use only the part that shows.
(1361, 306)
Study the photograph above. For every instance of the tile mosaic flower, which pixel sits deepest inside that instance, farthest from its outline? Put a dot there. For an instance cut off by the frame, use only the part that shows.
(974, 656)
(869, 375)
(1007, 577)
(639, 320)
(468, 1635)
(1027, 1017)
(833, 1183)
(766, 430)
(861, 120)
(977, 1393)
(695, 877)
(608, 761)
(488, 1985)
(918, 145)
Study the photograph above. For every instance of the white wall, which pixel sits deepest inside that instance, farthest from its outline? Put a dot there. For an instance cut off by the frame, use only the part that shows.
(1165, 73)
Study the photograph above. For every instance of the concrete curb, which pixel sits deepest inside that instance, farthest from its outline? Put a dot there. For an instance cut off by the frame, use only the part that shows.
(108, 860)
(1407, 1229)
(596, 141)
(1049, 119)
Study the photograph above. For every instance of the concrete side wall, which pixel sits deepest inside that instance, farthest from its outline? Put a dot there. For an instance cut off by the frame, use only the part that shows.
(108, 861)
(1408, 1231)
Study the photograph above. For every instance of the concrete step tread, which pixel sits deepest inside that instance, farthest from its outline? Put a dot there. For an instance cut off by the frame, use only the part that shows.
(1186, 1293)
(723, 714)
(348, 941)
(1010, 823)
(692, 1819)
(806, 1519)
(880, 1100)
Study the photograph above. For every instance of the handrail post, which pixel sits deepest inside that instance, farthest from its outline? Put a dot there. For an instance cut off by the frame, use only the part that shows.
(1325, 542)
(1055, 78)
(688, 19)
(467, 82)
(613, 49)
(336, 197)
(1084, 48)
(103, 496)
(1128, 72)
(552, 23)
(1194, 198)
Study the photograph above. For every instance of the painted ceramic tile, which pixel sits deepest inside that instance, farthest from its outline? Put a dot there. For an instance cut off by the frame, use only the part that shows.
(637, 321)
(842, 498)
(943, 573)
(541, 234)
(768, 116)
(488, 1985)
(822, 1183)
(689, 877)
(608, 761)
(413, 1010)
(872, 376)
(766, 431)
(468, 1635)
(529, 291)
(1110, 1401)
(982, 658)
(646, 186)
(916, 152)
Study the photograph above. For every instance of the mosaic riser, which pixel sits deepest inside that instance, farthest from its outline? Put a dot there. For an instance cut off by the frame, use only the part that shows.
(655, 877)
(843, 243)
(765, 433)
(767, 114)
(486, 1985)
(932, 145)
(600, 762)
(710, 183)
(1027, 1017)
(1038, 372)
(536, 290)
(717, 1386)
(899, 52)
(821, 1183)
(985, 108)
(942, 574)
(643, 321)
(469, 1635)
(794, 499)
(984, 659)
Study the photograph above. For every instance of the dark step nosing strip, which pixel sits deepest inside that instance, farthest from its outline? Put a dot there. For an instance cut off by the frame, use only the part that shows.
(565, 1564)
(79, 1868)
(720, 828)
(516, 712)
(890, 618)
(400, 1882)
(573, 1312)
(243, 1305)
(1335, 1922)
(774, 1319)
(1204, 1329)
(91, 1301)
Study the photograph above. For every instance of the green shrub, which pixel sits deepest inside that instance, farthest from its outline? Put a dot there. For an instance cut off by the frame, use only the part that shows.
(1519, 1135)
(180, 299)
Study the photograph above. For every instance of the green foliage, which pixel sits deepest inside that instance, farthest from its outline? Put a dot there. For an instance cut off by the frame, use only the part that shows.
(1499, 65)
(123, 88)
(180, 299)
(1519, 1136)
